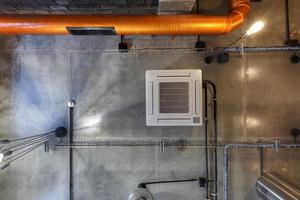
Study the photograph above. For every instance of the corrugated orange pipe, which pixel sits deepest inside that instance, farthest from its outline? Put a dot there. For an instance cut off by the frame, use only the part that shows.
(129, 25)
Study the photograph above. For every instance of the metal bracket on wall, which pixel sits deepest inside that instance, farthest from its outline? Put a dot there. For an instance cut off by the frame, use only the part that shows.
(242, 52)
(47, 146)
(162, 145)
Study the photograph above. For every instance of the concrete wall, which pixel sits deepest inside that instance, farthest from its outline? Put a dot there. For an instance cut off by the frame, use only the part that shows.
(258, 97)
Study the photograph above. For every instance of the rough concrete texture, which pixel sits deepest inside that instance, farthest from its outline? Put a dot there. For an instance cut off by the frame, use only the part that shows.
(258, 99)
(78, 6)
(175, 6)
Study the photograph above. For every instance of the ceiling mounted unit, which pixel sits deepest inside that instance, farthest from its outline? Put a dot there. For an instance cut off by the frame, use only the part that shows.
(174, 98)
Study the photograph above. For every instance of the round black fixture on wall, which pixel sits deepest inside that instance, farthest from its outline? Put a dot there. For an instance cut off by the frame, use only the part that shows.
(209, 59)
(61, 132)
(295, 133)
(295, 59)
(223, 57)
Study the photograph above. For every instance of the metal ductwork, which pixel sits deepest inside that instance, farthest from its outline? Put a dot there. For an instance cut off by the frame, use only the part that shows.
(271, 187)
(126, 25)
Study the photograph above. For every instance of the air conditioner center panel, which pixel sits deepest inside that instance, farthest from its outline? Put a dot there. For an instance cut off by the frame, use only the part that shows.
(174, 98)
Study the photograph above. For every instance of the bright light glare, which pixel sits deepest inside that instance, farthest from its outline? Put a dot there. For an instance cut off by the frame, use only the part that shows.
(257, 26)
(252, 122)
(1, 157)
(92, 121)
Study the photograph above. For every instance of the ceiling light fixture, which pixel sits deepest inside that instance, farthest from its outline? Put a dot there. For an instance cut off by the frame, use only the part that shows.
(256, 27)
(17, 148)
(223, 56)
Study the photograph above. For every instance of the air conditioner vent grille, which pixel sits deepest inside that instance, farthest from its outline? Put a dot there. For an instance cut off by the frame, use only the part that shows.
(174, 97)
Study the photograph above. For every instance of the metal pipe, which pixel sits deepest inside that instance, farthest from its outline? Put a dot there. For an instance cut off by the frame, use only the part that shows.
(225, 173)
(257, 49)
(262, 49)
(168, 143)
(272, 187)
(113, 143)
(143, 184)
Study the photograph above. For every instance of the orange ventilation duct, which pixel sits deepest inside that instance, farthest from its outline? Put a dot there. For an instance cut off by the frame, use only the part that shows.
(126, 25)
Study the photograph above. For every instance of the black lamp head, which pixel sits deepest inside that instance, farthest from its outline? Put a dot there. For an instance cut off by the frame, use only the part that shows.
(209, 59)
(295, 59)
(223, 57)
(202, 182)
(295, 133)
(61, 131)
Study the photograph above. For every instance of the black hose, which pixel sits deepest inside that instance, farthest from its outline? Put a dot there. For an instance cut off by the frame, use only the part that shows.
(287, 21)
(144, 184)
(71, 152)
(261, 161)
(206, 140)
(215, 135)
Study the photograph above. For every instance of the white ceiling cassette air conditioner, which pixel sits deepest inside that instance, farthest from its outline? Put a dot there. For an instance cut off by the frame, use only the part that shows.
(174, 98)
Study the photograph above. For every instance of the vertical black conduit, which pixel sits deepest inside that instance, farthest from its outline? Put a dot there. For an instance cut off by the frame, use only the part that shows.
(261, 161)
(215, 136)
(206, 141)
(287, 21)
(71, 151)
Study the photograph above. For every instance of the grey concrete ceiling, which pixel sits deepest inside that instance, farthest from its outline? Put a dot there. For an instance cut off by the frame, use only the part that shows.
(78, 6)
(175, 6)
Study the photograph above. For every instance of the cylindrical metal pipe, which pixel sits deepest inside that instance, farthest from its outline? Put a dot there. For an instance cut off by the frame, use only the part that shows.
(262, 49)
(169, 143)
(272, 187)
(228, 50)
(225, 173)
(241, 145)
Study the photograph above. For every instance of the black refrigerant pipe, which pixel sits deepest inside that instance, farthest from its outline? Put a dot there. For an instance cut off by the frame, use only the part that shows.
(144, 184)
(215, 136)
(206, 140)
(71, 112)
(287, 21)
